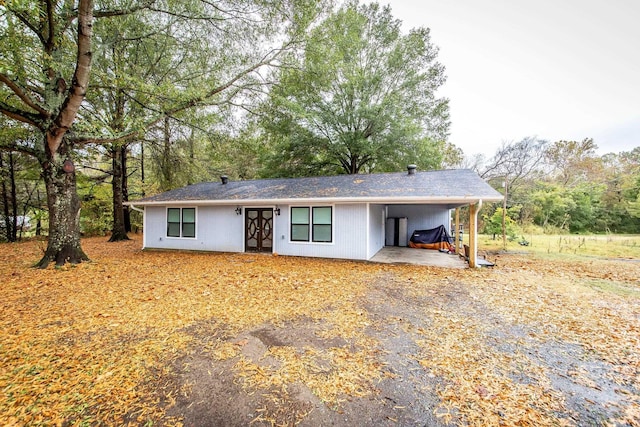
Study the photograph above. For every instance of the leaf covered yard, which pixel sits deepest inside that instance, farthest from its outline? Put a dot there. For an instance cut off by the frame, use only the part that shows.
(171, 338)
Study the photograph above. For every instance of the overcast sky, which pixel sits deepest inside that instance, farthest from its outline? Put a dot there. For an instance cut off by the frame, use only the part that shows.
(555, 69)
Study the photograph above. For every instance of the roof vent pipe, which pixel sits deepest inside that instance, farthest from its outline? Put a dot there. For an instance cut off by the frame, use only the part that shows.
(224, 179)
(411, 169)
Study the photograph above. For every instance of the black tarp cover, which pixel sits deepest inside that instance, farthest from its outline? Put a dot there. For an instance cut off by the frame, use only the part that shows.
(437, 236)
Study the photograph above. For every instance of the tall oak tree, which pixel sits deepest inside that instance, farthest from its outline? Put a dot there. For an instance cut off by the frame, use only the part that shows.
(362, 97)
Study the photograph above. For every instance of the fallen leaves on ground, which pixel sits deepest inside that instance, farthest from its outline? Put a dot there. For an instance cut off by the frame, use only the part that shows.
(491, 380)
(80, 343)
(84, 344)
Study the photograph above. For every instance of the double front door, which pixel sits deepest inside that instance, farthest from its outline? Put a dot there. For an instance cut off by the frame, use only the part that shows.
(259, 230)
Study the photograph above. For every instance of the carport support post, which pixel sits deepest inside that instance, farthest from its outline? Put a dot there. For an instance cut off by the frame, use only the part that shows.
(473, 232)
(456, 232)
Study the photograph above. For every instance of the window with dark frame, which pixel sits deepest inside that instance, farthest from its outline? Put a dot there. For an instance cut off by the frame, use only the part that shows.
(181, 222)
(321, 218)
(188, 222)
(312, 224)
(300, 224)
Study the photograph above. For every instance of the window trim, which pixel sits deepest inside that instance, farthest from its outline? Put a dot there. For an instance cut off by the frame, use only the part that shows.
(310, 224)
(182, 222)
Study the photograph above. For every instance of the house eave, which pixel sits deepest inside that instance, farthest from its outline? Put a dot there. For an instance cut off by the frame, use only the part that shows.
(452, 201)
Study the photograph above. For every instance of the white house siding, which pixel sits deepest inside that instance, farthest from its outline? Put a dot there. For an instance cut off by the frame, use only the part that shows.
(376, 229)
(217, 229)
(358, 229)
(421, 217)
(349, 234)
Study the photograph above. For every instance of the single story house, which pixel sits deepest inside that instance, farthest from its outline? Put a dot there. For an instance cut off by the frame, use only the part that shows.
(341, 216)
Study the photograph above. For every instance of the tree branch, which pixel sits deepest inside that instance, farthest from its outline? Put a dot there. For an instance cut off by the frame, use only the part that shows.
(106, 172)
(17, 90)
(122, 12)
(84, 139)
(51, 23)
(30, 151)
(19, 115)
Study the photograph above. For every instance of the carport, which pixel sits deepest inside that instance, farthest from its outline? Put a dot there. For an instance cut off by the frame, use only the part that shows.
(405, 255)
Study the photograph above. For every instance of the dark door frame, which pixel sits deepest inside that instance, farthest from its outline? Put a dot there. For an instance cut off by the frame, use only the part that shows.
(259, 228)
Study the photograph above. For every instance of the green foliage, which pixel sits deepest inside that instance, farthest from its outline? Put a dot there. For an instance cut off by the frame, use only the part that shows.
(20, 182)
(32, 65)
(362, 98)
(551, 205)
(96, 215)
(583, 212)
(238, 157)
(493, 222)
(634, 207)
(621, 184)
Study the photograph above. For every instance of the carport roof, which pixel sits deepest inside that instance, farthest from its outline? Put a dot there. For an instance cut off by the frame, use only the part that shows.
(454, 187)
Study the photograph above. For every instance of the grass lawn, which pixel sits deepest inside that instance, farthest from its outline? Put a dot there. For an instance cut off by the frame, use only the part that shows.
(170, 338)
(559, 245)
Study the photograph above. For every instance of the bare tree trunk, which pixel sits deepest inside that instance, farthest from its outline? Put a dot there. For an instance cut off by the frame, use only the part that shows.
(63, 202)
(118, 231)
(192, 157)
(5, 203)
(39, 220)
(14, 198)
(165, 160)
(125, 189)
(142, 177)
(25, 205)
(10, 198)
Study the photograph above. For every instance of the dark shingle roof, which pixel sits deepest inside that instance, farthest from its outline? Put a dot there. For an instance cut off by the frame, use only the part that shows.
(444, 186)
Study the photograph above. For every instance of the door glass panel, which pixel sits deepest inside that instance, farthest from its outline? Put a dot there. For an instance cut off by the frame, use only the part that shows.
(267, 229)
(252, 229)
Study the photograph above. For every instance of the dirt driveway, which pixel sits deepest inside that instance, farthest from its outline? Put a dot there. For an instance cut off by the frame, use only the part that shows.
(516, 345)
(199, 339)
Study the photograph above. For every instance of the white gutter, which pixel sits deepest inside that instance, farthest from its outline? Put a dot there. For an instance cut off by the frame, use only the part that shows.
(133, 207)
(464, 200)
